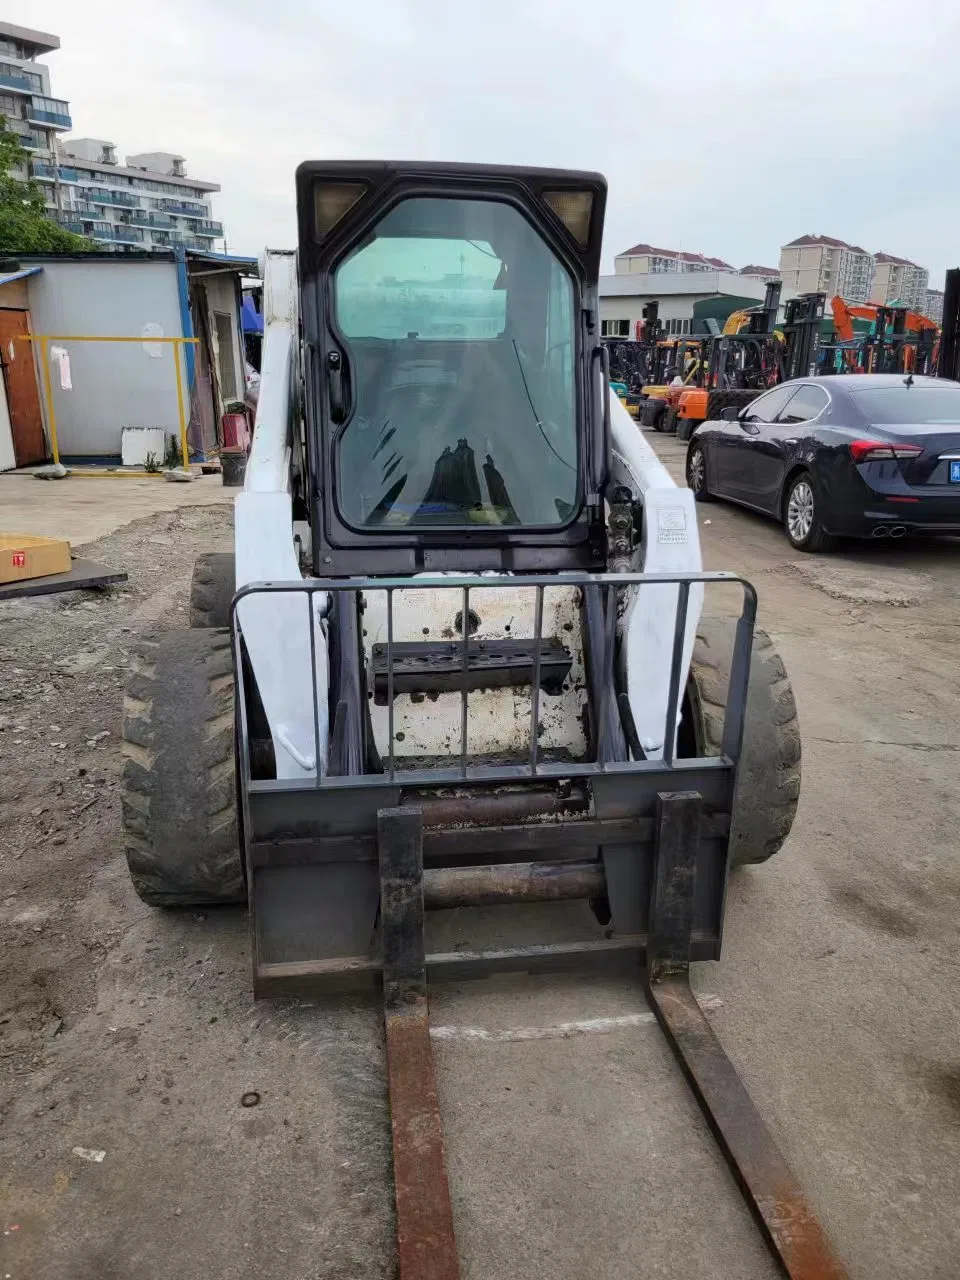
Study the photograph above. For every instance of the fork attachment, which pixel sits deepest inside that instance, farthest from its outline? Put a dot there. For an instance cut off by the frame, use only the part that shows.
(784, 1215)
(426, 1246)
(426, 1243)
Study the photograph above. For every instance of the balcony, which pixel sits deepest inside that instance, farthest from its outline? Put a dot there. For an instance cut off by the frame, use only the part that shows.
(184, 209)
(212, 229)
(99, 195)
(19, 81)
(70, 224)
(128, 234)
(191, 242)
(48, 172)
(49, 111)
(32, 141)
(144, 219)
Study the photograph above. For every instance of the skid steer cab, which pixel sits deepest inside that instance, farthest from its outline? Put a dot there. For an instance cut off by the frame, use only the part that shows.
(460, 655)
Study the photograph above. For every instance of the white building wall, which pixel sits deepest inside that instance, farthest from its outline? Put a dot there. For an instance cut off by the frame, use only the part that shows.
(115, 384)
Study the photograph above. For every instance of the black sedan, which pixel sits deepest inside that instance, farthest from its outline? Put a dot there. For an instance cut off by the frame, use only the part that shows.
(856, 455)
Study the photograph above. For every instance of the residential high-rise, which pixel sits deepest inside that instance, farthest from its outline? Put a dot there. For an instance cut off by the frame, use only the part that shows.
(644, 258)
(899, 280)
(932, 306)
(148, 203)
(25, 102)
(755, 272)
(821, 264)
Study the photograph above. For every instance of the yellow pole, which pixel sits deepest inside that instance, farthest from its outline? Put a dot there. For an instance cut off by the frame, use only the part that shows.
(177, 348)
(48, 390)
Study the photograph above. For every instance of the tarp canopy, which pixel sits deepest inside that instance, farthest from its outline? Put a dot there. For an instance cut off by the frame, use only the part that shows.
(250, 317)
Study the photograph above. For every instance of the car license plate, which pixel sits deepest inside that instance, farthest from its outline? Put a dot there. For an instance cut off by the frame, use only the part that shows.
(955, 472)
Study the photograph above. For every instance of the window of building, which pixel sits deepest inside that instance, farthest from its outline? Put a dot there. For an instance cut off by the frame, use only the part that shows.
(615, 328)
(19, 74)
(675, 326)
(55, 105)
(9, 105)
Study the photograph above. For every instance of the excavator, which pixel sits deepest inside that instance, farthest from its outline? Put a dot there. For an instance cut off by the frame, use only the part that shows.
(899, 340)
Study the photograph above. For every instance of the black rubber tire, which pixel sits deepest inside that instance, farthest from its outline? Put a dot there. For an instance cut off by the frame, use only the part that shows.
(668, 423)
(702, 494)
(179, 797)
(686, 428)
(768, 787)
(817, 539)
(212, 589)
(652, 413)
(728, 398)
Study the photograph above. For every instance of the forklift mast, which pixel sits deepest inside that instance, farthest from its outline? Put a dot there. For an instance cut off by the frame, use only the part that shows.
(803, 317)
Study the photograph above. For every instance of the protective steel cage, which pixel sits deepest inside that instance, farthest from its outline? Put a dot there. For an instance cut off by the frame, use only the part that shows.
(516, 831)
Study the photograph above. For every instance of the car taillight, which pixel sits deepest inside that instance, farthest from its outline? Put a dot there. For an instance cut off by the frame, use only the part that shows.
(872, 450)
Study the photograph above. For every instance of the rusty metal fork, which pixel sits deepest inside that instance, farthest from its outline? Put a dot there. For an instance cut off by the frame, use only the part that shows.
(426, 1244)
(784, 1214)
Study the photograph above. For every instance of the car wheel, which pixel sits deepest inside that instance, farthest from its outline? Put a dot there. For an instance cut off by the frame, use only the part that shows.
(801, 516)
(697, 473)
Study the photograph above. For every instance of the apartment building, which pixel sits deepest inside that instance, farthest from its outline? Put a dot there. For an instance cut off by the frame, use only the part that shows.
(933, 305)
(148, 202)
(26, 103)
(755, 272)
(644, 259)
(821, 264)
(899, 280)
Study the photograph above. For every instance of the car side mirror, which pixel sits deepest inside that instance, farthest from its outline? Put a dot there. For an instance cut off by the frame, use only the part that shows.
(730, 413)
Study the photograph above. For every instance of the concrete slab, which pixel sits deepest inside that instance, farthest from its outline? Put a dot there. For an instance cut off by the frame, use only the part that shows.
(84, 508)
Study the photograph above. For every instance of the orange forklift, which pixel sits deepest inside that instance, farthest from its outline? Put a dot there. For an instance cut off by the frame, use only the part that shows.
(677, 366)
(738, 366)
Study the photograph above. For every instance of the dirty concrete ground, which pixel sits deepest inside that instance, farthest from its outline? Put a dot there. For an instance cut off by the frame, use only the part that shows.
(132, 1032)
(84, 507)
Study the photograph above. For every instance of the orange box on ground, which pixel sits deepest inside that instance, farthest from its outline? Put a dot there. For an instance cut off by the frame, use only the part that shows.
(22, 555)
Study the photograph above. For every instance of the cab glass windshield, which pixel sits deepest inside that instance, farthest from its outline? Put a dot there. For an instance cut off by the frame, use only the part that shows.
(459, 326)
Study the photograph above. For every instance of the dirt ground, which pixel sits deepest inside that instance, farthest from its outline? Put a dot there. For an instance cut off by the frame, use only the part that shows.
(132, 1033)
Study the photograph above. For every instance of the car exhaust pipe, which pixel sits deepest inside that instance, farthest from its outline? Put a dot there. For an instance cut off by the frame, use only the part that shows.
(898, 531)
(881, 531)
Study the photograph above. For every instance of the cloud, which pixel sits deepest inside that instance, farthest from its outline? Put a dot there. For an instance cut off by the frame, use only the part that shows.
(725, 128)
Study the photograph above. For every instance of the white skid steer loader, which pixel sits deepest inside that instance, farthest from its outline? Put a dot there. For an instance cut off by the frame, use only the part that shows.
(459, 657)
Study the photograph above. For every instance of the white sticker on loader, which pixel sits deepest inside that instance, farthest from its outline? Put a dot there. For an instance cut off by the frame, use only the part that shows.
(672, 526)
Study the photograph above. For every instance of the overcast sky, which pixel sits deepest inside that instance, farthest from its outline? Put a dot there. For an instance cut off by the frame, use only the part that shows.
(723, 126)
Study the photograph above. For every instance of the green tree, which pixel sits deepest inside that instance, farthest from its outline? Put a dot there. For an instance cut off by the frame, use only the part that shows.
(24, 224)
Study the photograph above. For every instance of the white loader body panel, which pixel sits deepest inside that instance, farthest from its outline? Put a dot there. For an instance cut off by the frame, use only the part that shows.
(276, 628)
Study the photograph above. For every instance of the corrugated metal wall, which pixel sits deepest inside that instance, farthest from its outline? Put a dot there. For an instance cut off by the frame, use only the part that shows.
(115, 384)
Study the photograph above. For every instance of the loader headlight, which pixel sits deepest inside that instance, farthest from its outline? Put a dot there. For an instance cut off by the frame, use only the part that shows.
(331, 201)
(573, 208)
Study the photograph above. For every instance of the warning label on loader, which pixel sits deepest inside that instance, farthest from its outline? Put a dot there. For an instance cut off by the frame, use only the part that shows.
(671, 525)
